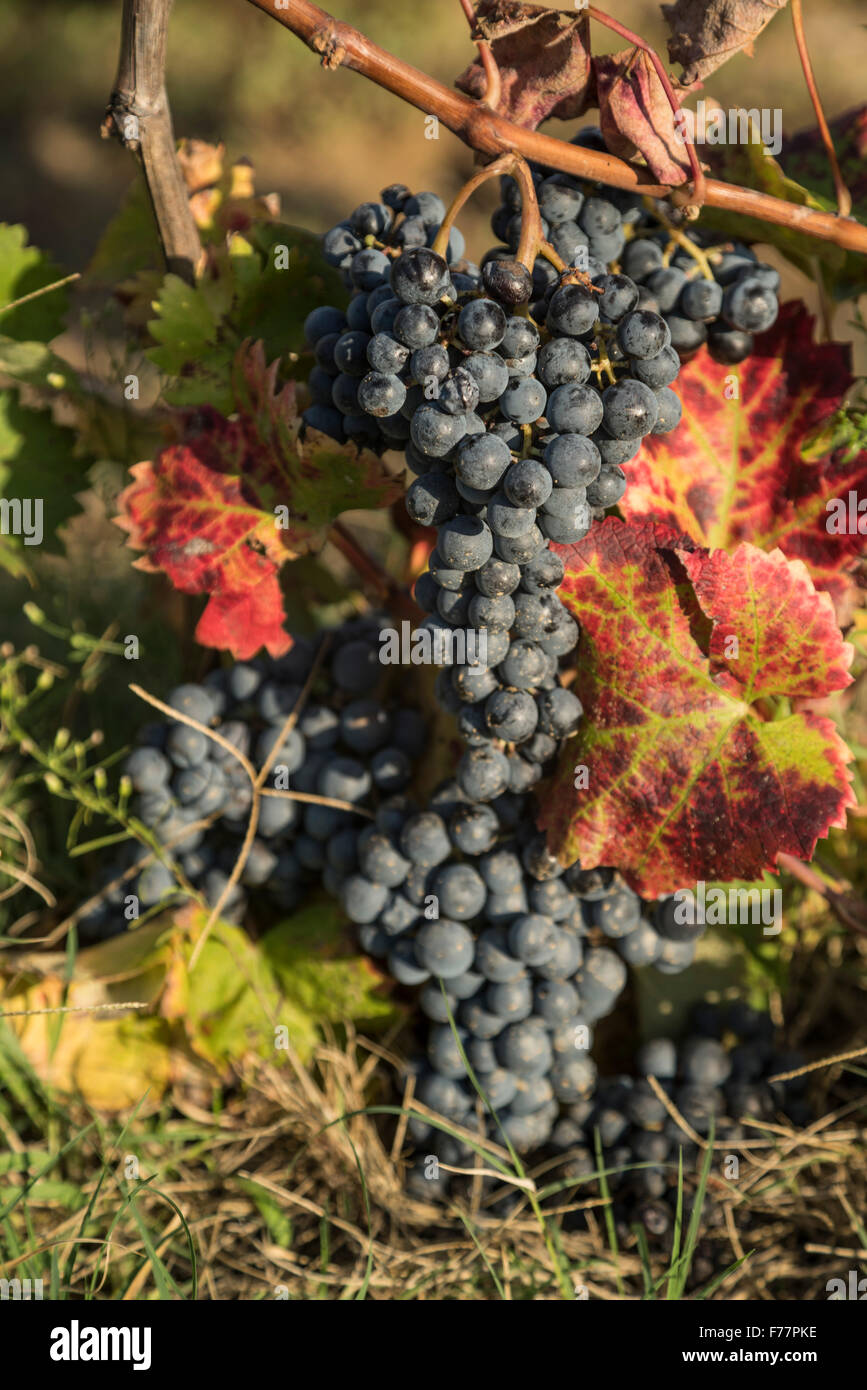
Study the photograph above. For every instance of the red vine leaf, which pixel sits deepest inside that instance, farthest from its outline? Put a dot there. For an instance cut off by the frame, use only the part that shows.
(636, 116)
(688, 778)
(194, 523)
(706, 33)
(735, 468)
(204, 511)
(544, 62)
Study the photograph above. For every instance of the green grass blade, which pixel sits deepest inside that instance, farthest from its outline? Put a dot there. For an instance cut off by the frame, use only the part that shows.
(694, 1227)
(46, 1168)
(471, 1232)
(162, 1278)
(720, 1278)
(678, 1228)
(608, 1213)
(644, 1256)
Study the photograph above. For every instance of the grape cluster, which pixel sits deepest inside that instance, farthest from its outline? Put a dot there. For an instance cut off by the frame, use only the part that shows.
(719, 1073)
(365, 373)
(725, 311)
(516, 421)
(527, 958)
(706, 291)
(516, 395)
(455, 899)
(641, 933)
(347, 745)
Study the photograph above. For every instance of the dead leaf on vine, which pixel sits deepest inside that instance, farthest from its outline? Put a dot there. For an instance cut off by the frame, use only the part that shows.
(222, 196)
(803, 158)
(544, 61)
(636, 116)
(201, 1025)
(706, 33)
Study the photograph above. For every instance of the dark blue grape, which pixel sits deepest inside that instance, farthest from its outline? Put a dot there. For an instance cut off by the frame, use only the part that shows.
(481, 325)
(419, 276)
(416, 326)
(572, 311)
(444, 948)
(473, 829)
(574, 409)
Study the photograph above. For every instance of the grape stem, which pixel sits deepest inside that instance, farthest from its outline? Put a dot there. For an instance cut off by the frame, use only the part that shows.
(493, 84)
(490, 171)
(547, 250)
(340, 45)
(531, 240)
(844, 197)
(373, 573)
(677, 238)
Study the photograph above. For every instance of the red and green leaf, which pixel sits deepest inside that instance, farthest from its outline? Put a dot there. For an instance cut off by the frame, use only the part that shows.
(738, 467)
(203, 511)
(697, 767)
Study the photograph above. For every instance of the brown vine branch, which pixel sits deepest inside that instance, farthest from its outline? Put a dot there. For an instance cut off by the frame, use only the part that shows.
(698, 179)
(340, 45)
(138, 116)
(370, 570)
(845, 906)
(844, 197)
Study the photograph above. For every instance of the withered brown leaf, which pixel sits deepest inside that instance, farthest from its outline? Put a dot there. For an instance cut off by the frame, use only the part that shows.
(706, 33)
(544, 61)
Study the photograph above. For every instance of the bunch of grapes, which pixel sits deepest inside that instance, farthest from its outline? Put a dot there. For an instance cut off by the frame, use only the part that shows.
(194, 795)
(525, 960)
(516, 418)
(725, 311)
(457, 899)
(517, 395)
(707, 292)
(718, 1074)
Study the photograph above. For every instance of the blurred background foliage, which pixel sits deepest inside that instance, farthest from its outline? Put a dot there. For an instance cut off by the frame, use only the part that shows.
(323, 140)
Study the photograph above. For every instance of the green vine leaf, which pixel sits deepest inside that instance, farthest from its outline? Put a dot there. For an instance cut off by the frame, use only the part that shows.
(24, 269)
